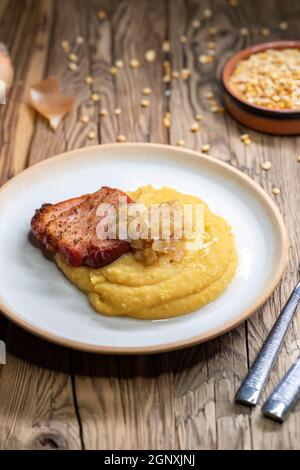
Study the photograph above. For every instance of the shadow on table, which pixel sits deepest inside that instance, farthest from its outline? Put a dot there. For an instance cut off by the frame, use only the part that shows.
(41, 353)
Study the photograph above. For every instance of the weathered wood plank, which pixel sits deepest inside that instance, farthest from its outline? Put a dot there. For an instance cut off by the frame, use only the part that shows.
(187, 397)
(282, 152)
(206, 415)
(69, 25)
(234, 429)
(37, 404)
(26, 115)
(16, 19)
(127, 402)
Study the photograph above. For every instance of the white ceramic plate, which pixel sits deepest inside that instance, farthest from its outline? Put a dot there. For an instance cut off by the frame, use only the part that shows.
(35, 294)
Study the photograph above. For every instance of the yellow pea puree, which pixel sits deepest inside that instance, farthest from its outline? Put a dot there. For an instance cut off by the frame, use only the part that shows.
(166, 289)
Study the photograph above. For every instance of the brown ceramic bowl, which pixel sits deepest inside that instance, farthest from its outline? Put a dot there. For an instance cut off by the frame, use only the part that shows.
(280, 122)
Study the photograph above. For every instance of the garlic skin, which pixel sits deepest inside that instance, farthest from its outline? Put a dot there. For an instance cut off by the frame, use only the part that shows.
(48, 100)
(6, 67)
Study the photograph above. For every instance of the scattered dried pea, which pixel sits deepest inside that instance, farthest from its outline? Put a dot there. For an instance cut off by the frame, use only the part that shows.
(207, 13)
(102, 15)
(84, 119)
(205, 148)
(167, 120)
(121, 138)
(91, 135)
(213, 30)
(147, 91)
(80, 40)
(166, 46)
(196, 23)
(185, 73)
(73, 57)
(113, 71)
(267, 165)
(89, 80)
(103, 112)
(119, 64)
(209, 94)
(265, 32)
(246, 139)
(145, 103)
(195, 127)
(150, 55)
(180, 143)
(211, 45)
(205, 59)
(73, 66)
(65, 45)
(283, 26)
(134, 63)
(276, 191)
(95, 97)
(244, 31)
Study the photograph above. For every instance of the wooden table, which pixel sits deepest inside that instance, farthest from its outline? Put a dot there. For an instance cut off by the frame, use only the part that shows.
(55, 398)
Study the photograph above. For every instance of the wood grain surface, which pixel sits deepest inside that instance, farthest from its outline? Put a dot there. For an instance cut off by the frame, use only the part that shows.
(54, 398)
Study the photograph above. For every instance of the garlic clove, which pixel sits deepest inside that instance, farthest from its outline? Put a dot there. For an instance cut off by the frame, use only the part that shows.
(6, 67)
(47, 99)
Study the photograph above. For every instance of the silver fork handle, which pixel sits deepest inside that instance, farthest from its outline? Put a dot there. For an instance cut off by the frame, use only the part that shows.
(285, 395)
(258, 375)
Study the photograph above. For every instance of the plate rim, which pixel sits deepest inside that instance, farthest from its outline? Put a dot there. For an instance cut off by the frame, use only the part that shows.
(193, 340)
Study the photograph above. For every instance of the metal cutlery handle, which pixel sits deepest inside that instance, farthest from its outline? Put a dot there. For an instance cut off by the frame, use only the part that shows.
(258, 375)
(285, 395)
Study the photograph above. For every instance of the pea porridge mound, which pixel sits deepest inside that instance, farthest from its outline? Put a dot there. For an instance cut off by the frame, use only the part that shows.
(167, 287)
